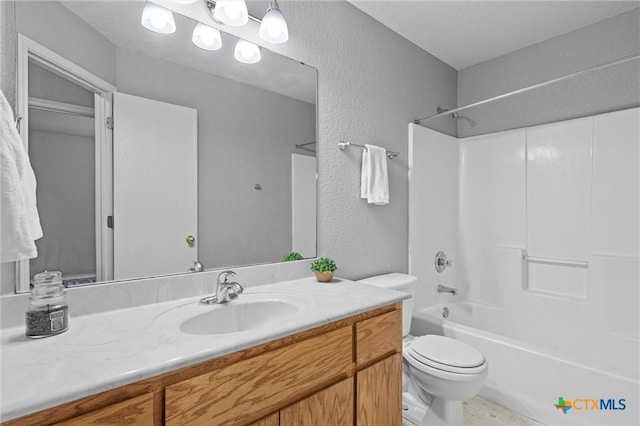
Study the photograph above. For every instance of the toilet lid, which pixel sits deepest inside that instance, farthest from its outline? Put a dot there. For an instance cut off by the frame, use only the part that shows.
(446, 354)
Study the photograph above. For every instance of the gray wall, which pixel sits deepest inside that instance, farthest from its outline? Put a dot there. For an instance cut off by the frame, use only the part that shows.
(72, 38)
(8, 50)
(245, 137)
(8, 87)
(611, 89)
(66, 189)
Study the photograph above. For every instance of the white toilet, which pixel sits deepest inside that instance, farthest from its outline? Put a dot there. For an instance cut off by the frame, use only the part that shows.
(438, 372)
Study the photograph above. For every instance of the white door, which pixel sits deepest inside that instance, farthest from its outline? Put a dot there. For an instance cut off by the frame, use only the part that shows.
(155, 187)
(303, 204)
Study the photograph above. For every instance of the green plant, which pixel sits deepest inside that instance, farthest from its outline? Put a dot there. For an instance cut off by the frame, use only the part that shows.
(324, 264)
(292, 256)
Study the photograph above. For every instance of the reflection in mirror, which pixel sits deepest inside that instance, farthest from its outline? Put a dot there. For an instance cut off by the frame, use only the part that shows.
(203, 147)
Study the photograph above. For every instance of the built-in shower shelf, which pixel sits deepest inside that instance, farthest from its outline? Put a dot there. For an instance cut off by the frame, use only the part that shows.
(557, 262)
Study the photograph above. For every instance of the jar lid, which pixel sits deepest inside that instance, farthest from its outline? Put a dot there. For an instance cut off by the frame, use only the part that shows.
(48, 277)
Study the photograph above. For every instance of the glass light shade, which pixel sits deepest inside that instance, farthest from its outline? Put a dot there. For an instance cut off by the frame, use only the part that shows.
(231, 12)
(273, 28)
(158, 19)
(246, 52)
(206, 37)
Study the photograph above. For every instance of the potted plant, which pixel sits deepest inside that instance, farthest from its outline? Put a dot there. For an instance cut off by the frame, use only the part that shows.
(323, 268)
(294, 255)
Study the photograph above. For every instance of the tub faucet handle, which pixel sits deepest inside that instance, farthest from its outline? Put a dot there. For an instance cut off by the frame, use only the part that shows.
(441, 262)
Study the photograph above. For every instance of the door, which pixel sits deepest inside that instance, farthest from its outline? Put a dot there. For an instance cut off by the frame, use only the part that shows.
(154, 187)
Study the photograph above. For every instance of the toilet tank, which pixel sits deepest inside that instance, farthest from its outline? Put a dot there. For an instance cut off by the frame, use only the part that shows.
(400, 282)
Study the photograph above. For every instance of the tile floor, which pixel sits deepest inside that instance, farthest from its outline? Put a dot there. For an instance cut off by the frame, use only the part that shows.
(480, 412)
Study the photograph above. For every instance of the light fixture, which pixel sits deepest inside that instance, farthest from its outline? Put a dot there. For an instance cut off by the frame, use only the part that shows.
(231, 12)
(158, 19)
(247, 52)
(273, 28)
(206, 37)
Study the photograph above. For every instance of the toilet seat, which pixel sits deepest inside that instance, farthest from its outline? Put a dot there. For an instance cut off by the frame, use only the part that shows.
(446, 354)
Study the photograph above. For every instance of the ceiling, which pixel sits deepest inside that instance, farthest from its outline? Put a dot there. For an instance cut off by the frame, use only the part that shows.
(465, 33)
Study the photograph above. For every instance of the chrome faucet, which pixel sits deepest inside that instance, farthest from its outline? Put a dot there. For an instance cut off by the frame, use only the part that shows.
(225, 290)
(445, 289)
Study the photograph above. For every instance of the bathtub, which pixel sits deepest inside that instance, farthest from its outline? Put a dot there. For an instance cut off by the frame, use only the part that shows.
(529, 378)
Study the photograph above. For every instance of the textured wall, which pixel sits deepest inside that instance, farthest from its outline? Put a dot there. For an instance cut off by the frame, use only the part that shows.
(371, 83)
(611, 89)
(8, 87)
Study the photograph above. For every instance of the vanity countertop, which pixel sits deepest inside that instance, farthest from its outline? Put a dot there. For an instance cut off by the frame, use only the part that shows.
(103, 351)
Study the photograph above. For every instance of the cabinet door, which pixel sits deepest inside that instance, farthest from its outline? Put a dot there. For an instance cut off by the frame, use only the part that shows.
(271, 420)
(379, 393)
(331, 406)
(133, 411)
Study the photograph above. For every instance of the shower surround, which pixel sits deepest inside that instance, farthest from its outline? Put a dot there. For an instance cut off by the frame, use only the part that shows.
(546, 260)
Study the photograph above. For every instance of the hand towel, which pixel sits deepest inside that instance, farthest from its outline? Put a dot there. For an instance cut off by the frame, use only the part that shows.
(19, 220)
(374, 182)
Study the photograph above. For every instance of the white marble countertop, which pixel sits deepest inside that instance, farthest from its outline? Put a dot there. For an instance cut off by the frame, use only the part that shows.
(111, 349)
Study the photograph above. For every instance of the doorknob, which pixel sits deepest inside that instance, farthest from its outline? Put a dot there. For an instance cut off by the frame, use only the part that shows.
(191, 240)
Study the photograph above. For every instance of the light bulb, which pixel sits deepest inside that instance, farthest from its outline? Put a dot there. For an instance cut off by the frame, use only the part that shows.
(246, 52)
(158, 19)
(273, 28)
(206, 37)
(231, 12)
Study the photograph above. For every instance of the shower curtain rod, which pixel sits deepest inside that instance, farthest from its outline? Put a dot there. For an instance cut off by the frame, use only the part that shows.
(527, 89)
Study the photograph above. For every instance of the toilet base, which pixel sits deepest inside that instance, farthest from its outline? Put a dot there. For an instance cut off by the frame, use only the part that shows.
(412, 409)
(438, 412)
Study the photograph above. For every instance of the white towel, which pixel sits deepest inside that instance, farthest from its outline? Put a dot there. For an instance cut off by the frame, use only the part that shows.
(374, 182)
(20, 223)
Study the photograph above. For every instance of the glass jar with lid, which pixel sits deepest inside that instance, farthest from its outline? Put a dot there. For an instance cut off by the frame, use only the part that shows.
(48, 313)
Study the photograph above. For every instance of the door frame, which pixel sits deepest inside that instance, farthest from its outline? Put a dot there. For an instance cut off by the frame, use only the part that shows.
(103, 98)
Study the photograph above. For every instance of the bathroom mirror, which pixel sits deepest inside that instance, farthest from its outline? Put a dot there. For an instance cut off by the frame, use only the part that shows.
(211, 159)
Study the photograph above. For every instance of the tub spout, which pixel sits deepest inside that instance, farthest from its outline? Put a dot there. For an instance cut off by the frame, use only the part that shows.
(445, 289)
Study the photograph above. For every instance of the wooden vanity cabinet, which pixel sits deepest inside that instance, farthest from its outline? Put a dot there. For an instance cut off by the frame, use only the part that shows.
(348, 372)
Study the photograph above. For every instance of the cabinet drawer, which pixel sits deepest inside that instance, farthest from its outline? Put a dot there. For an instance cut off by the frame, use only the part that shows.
(378, 336)
(133, 411)
(247, 390)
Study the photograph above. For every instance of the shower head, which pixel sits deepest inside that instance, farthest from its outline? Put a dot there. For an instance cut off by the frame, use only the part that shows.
(454, 115)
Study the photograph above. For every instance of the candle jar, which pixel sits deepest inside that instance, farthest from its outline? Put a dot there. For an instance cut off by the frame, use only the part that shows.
(48, 313)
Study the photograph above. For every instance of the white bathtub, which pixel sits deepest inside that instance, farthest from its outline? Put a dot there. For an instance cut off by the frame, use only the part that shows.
(529, 379)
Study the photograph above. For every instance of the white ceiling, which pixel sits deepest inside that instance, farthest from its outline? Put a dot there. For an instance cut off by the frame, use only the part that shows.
(465, 33)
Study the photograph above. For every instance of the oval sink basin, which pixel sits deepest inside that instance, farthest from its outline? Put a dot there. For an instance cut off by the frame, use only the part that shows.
(238, 315)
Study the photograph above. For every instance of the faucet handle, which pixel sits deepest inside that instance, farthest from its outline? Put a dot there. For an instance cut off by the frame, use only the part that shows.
(225, 275)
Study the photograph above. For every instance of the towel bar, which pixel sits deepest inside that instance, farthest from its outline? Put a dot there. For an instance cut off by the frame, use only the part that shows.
(344, 145)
